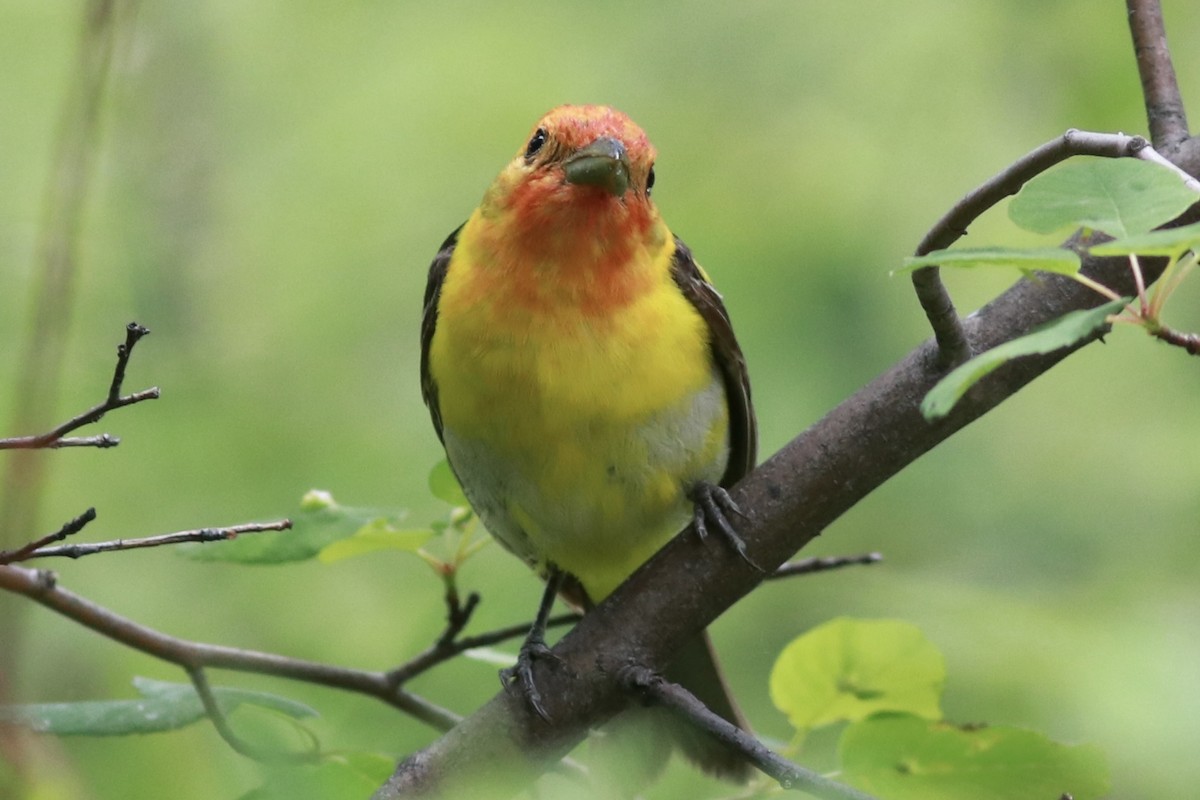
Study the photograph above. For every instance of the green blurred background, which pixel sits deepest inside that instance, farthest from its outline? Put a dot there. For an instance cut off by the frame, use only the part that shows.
(273, 181)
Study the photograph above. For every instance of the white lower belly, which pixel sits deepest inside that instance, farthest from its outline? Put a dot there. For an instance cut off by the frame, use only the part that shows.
(596, 499)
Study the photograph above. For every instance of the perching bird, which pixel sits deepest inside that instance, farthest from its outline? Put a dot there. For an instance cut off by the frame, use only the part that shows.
(583, 375)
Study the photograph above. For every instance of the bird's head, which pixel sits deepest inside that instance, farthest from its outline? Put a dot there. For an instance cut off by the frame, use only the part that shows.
(583, 171)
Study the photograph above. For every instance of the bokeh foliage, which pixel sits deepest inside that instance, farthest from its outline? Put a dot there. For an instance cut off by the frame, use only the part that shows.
(275, 179)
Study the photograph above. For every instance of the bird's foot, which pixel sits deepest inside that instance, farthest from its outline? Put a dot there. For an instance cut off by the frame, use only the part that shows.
(713, 507)
(519, 678)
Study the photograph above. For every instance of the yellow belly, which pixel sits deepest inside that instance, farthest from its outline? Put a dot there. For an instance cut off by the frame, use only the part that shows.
(577, 438)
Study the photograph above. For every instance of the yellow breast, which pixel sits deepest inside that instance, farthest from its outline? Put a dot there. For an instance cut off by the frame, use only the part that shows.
(577, 430)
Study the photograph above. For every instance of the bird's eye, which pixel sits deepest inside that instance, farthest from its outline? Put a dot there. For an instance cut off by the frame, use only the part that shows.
(650, 181)
(535, 144)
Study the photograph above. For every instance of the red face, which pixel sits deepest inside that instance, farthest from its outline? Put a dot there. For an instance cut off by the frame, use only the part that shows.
(580, 187)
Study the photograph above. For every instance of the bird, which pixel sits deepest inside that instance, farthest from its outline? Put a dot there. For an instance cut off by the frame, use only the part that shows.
(582, 374)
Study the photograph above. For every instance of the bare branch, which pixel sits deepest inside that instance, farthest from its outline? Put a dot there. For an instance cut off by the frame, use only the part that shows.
(1164, 104)
(54, 438)
(458, 615)
(196, 535)
(942, 315)
(100, 441)
(1190, 342)
(68, 529)
(511, 632)
(807, 566)
(133, 334)
(41, 586)
(444, 650)
(790, 776)
(1153, 156)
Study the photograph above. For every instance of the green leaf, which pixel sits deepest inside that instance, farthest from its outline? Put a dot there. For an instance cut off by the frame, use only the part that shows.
(1171, 243)
(848, 669)
(320, 522)
(445, 486)
(1042, 259)
(1120, 196)
(162, 707)
(376, 535)
(345, 776)
(1062, 332)
(909, 758)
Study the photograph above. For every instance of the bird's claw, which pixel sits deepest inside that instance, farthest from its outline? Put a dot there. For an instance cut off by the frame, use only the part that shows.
(519, 678)
(713, 507)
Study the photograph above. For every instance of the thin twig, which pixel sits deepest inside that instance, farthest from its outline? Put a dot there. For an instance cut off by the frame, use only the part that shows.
(511, 632)
(444, 650)
(100, 441)
(114, 400)
(69, 528)
(41, 586)
(1140, 282)
(807, 566)
(196, 535)
(133, 334)
(1153, 156)
(1164, 104)
(1190, 342)
(458, 614)
(655, 688)
(939, 308)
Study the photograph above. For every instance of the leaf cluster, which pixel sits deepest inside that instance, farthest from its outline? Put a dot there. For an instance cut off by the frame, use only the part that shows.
(1125, 199)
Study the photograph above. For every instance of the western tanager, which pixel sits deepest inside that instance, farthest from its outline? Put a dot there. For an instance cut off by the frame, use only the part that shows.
(583, 375)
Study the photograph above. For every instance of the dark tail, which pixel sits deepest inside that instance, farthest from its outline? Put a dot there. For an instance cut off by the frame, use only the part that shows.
(695, 668)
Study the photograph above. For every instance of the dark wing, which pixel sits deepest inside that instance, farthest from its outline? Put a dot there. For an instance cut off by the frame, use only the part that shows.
(695, 666)
(433, 291)
(743, 428)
